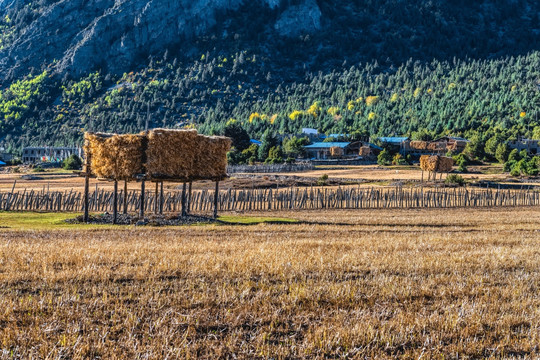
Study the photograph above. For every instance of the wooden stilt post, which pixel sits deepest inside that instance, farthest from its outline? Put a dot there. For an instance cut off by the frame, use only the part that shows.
(189, 197)
(216, 194)
(86, 200)
(86, 183)
(422, 175)
(184, 212)
(141, 210)
(161, 199)
(156, 197)
(125, 197)
(115, 202)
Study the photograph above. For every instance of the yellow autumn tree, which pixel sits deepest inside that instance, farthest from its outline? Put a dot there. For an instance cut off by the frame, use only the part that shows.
(372, 100)
(315, 109)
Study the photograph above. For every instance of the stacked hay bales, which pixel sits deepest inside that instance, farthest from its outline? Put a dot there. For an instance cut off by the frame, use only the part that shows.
(210, 161)
(437, 146)
(435, 163)
(171, 154)
(160, 154)
(336, 151)
(117, 157)
(419, 145)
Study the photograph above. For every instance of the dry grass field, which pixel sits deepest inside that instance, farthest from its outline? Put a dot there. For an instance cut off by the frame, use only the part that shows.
(366, 284)
(57, 180)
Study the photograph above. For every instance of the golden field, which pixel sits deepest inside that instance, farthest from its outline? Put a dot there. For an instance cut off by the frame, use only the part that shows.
(354, 284)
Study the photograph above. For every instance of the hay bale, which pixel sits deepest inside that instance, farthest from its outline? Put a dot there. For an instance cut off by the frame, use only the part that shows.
(436, 163)
(445, 164)
(171, 153)
(112, 156)
(364, 151)
(336, 151)
(437, 146)
(419, 145)
(424, 162)
(210, 160)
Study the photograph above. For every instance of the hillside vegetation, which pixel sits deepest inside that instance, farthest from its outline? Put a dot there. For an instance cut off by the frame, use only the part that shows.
(421, 68)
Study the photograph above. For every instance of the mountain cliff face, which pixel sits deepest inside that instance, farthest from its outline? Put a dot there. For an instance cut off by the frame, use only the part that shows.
(78, 36)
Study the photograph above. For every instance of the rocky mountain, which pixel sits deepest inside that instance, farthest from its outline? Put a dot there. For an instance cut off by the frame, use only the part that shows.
(78, 36)
(435, 66)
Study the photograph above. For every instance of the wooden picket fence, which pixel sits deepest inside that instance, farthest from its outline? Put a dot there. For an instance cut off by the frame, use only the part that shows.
(295, 198)
(274, 168)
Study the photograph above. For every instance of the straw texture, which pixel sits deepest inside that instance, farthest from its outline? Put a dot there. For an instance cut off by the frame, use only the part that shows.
(116, 157)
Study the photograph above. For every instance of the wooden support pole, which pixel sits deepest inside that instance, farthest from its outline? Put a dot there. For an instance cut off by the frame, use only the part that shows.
(125, 197)
(86, 200)
(189, 197)
(216, 194)
(161, 199)
(184, 211)
(115, 202)
(141, 209)
(156, 197)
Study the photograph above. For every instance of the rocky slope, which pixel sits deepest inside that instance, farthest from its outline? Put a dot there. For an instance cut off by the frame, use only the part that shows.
(78, 36)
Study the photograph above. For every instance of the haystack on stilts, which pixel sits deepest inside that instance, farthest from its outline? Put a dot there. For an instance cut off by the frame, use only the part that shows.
(171, 154)
(157, 155)
(113, 157)
(433, 164)
(211, 160)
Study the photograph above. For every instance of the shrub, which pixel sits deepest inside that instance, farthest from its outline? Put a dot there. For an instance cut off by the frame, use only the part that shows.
(322, 180)
(72, 163)
(399, 160)
(455, 179)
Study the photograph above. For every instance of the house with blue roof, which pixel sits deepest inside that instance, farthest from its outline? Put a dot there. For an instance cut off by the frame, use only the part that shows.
(321, 150)
(398, 143)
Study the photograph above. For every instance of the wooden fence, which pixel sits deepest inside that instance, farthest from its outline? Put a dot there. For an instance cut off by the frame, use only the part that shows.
(294, 198)
(275, 168)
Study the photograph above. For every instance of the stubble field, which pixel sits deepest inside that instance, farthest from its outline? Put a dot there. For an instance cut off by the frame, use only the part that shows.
(354, 284)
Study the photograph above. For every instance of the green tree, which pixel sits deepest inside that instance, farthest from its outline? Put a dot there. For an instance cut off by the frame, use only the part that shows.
(475, 147)
(384, 158)
(240, 137)
(501, 154)
(268, 142)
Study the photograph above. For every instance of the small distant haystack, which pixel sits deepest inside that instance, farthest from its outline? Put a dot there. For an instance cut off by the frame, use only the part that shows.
(336, 151)
(118, 157)
(435, 163)
(171, 154)
(365, 151)
(210, 160)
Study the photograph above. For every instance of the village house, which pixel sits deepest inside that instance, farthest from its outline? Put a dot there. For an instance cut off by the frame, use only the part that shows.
(33, 155)
(532, 146)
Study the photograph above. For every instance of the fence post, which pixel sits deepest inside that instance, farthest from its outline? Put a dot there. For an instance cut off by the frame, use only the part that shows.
(216, 199)
(125, 197)
(115, 202)
(141, 209)
(184, 210)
